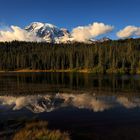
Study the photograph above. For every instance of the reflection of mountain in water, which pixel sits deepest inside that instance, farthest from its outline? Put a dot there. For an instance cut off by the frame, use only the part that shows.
(48, 103)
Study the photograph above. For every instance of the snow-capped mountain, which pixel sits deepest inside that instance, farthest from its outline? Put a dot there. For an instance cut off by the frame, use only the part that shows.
(52, 34)
(49, 32)
(104, 39)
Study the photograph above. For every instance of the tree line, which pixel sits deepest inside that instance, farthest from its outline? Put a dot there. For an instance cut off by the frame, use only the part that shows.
(120, 56)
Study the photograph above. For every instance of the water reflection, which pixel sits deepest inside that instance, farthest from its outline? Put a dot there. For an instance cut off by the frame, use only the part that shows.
(49, 102)
(86, 105)
(38, 83)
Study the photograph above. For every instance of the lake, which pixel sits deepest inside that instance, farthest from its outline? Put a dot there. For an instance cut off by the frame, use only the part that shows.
(86, 106)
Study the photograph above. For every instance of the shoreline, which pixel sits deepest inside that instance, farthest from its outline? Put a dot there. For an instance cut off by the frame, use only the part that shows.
(27, 70)
(67, 71)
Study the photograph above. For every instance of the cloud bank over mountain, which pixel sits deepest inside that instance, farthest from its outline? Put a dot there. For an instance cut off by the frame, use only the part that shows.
(16, 33)
(38, 32)
(84, 33)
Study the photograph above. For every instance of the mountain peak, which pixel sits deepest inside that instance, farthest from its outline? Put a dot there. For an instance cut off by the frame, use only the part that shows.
(48, 32)
(34, 25)
(38, 25)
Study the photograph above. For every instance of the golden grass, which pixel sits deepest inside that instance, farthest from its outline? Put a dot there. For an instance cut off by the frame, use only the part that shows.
(39, 131)
(95, 70)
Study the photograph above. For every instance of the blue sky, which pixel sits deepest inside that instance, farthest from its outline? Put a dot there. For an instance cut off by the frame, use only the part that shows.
(71, 13)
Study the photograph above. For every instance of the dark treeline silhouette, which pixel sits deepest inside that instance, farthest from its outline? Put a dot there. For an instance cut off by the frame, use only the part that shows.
(121, 56)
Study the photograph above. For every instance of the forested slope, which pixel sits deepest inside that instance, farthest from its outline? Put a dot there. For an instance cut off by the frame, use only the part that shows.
(121, 56)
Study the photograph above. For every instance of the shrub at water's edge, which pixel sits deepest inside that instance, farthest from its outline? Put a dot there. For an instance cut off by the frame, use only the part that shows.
(39, 131)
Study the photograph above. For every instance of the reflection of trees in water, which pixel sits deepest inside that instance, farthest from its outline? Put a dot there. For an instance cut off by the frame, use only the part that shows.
(45, 82)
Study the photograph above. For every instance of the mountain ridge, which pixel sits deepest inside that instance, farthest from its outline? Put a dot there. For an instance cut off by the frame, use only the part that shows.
(52, 34)
(48, 32)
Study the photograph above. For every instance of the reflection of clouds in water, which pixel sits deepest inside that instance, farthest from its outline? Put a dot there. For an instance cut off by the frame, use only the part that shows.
(47, 103)
(87, 101)
(18, 103)
(33, 103)
(124, 101)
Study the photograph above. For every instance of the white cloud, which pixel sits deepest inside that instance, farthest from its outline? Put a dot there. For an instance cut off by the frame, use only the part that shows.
(138, 32)
(84, 33)
(16, 33)
(129, 31)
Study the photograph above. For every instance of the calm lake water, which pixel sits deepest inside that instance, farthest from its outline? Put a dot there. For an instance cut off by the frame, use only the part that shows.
(87, 106)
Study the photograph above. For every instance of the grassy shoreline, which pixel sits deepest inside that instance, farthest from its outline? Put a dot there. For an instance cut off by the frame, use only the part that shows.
(94, 71)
